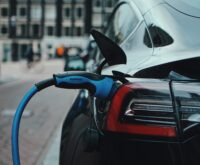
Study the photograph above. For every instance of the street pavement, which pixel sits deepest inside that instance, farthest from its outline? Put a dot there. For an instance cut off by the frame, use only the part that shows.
(41, 125)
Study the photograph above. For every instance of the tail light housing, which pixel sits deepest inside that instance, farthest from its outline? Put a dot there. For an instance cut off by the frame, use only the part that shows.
(151, 109)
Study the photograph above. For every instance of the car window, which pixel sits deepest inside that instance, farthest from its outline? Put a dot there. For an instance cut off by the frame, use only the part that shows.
(160, 37)
(122, 23)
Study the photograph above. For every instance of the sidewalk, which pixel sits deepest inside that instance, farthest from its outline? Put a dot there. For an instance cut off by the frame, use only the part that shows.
(51, 156)
(43, 69)
(4, 79)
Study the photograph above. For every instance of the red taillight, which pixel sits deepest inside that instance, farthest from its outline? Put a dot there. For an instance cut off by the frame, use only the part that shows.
(114, 124)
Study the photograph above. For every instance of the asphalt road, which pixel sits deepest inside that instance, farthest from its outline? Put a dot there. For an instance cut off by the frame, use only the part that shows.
(43, 117)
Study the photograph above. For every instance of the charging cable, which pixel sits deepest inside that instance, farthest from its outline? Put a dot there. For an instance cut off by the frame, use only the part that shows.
(99, 86)
(17, 118)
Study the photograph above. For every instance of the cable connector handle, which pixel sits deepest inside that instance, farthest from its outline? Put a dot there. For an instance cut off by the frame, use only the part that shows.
(98, 85)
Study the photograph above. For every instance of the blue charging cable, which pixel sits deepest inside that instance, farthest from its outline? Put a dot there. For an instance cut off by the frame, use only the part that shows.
(17, 118)
(16, 124)
(99, 86)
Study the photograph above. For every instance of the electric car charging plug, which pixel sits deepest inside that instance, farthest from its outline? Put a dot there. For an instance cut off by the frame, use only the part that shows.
(99, 86)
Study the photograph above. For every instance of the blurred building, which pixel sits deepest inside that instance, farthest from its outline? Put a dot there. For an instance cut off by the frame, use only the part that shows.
(48, 24)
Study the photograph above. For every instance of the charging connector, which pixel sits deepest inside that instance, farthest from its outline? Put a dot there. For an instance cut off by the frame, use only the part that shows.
(99, 86)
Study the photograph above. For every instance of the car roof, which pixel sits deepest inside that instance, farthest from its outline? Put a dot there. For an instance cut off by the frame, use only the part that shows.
(146, 5)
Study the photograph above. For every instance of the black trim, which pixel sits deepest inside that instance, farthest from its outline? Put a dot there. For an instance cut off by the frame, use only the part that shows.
(45, 83)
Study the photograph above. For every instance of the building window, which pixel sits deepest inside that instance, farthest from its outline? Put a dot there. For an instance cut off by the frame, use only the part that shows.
(35, 30)
(22, 11)
(50, 12)
(49, 46)
(23, 30)
(36, 12)
(98, 3)
(67, 31)
(6, 52)
(107, 16)
(78, 31)
(50, 30)
(109, 3)
(22, 49)
(4, 30)
(67, 12)
(79, 12)
(4, 12)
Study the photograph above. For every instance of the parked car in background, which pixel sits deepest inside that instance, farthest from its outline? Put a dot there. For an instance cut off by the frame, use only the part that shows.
(154, 116)
(73, 61)
(88, 55)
